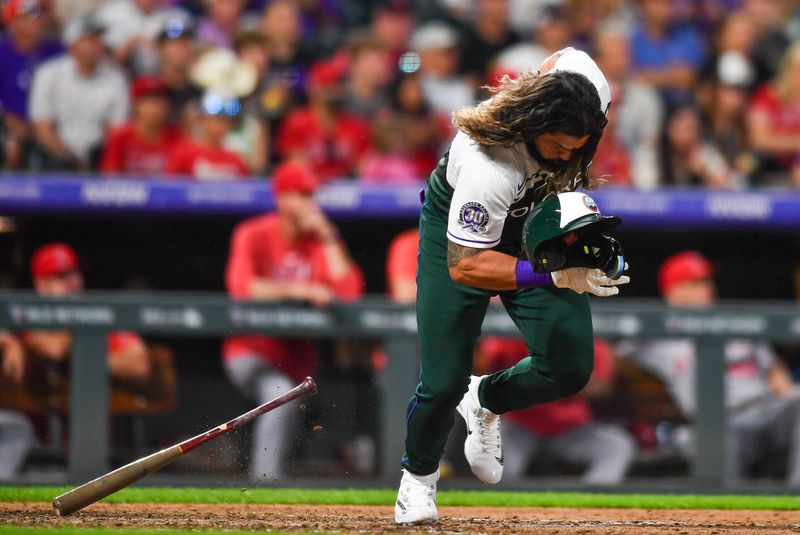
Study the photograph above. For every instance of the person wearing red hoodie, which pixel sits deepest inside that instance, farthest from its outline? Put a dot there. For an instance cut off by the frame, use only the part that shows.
(294, 254)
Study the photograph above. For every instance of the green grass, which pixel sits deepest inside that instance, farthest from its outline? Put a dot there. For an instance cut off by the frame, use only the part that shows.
(19, 530)
(444, 497)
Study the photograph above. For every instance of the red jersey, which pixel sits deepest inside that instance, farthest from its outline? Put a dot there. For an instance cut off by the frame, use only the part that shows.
(401, 260)
(127, 152)
(259, 249)
(611, 161)
(332, 154)
(547, 419)
(206, 163)
(784, 117)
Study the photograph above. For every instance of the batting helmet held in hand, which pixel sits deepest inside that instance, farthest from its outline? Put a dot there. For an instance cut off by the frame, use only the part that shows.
(567, 230)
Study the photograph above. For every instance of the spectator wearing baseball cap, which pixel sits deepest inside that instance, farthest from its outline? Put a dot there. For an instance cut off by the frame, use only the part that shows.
(177, 49)
(132, 28)
(728, 89)
(206, 157)
(23, 48)
(293, 254)
(75, 98)
(331, 140)
(445, 89)
(141, 147)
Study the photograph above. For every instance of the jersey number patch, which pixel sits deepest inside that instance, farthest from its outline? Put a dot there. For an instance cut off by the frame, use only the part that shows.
(473, 217)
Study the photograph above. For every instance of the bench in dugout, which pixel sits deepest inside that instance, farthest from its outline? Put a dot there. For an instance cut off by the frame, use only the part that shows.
(43, 396)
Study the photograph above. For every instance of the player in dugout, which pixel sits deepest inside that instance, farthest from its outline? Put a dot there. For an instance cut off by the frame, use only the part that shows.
(57, 273)
(512, 158)
(294, 254)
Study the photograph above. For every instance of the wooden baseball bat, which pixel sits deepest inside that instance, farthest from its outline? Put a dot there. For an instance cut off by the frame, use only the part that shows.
(99, 488)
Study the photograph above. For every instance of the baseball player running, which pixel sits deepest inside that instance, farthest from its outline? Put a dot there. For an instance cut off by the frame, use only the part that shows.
(507, 166)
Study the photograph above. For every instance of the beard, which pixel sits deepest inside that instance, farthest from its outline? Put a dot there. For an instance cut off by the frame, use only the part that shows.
(553, 165)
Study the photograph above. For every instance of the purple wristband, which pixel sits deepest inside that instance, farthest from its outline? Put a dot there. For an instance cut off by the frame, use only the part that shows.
(527, 278)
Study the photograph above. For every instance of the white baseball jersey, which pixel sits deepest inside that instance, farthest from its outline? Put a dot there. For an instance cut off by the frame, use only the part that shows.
(488, 185)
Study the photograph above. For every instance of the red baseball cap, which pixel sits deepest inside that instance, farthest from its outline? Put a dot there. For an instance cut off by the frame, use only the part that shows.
(53, 259)
(495, 76)
(148, 85)
(293, 176)
(685, 266)
(16, 8)
(324, 74)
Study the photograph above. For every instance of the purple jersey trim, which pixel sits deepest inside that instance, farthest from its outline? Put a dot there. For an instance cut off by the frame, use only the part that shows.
(472, 241)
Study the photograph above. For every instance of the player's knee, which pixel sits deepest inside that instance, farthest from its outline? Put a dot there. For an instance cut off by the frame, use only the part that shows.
(572, 381)
(446, 391)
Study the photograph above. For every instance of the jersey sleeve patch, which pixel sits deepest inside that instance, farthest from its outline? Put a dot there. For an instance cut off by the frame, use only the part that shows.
(473, 217)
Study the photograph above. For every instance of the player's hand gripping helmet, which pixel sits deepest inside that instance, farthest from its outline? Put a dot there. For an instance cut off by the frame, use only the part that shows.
(567, 230)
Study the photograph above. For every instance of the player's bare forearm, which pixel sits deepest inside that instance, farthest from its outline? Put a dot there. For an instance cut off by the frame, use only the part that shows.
(481, 268)
(130, 363)
(339, 261)
(52, 345)
(269, 290)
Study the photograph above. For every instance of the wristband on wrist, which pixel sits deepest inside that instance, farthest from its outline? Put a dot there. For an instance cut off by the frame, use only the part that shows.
(527, 278)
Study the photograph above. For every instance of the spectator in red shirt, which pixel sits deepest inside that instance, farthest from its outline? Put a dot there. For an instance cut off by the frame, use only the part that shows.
(56, 273)
(142, 146)
(330, 140)
(565, 428)
(774, 116)
(206, 158)
(401, 267)
(611, 160)
(294, 254)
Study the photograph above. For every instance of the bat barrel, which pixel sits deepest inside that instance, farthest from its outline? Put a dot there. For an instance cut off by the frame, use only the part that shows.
(99, 488)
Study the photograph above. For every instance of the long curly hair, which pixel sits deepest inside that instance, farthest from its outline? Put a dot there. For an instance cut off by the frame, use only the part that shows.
(534, 104)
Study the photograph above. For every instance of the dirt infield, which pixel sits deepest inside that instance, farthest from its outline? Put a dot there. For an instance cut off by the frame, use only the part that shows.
(378, 519)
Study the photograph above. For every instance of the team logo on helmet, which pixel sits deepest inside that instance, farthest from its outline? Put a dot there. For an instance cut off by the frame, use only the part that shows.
(473, 217)
(590, 204)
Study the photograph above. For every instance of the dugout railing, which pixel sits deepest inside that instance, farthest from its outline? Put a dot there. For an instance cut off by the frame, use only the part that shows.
(91, 316)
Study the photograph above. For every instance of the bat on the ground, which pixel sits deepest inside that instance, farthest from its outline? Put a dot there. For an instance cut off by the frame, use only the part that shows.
(99, 488)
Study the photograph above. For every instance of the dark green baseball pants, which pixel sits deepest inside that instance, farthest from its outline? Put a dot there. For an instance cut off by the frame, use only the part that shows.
(556, 324)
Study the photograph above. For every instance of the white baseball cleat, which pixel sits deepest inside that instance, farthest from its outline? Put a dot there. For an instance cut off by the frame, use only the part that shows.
(416, 499)
(483, 448)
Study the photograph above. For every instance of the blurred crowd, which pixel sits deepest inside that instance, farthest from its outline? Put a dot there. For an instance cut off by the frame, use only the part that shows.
(705, 93)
